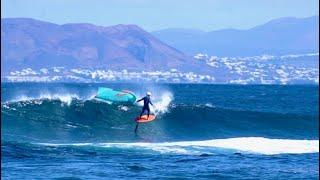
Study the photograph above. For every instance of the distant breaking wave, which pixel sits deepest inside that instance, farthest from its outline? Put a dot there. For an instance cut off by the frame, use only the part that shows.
(64, 98)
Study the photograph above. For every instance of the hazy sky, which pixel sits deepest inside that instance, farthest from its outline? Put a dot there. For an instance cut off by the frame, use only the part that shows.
(161, 14)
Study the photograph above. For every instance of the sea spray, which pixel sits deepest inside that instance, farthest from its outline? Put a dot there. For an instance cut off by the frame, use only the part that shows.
(162, 105)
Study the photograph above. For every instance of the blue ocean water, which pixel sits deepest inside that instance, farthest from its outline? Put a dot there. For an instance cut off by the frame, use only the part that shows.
(59, 131)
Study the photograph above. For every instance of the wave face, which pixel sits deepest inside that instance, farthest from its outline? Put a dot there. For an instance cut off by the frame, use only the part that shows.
(68, 113)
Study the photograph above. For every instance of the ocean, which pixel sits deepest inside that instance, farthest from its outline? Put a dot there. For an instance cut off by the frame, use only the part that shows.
(202, 131)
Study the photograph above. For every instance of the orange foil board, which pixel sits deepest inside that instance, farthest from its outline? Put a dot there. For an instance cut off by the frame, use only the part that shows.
(145, 119)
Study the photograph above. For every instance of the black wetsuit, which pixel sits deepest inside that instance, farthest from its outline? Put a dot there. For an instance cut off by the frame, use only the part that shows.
(146, 102)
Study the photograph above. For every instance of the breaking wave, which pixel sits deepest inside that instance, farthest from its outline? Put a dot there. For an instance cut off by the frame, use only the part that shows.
(71, 120)
(65, 119)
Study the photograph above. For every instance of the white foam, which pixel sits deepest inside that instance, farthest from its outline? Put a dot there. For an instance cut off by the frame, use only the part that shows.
(209, 105)
(63, 97)
(162, 105)
(257, 145)
(123, 108)
(66, 98)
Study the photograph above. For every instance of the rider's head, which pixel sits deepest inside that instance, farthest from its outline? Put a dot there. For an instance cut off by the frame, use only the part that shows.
(149, 94)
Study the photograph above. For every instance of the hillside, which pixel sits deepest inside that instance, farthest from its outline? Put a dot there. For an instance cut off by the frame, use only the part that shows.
(278, 37)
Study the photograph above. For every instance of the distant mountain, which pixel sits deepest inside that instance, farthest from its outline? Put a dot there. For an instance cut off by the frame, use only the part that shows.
(279, 36)
(29, 43)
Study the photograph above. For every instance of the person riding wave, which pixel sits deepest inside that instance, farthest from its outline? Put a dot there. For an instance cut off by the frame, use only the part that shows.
(146, 102)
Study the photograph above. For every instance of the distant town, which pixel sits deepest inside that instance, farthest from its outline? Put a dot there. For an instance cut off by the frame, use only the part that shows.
(264, 69)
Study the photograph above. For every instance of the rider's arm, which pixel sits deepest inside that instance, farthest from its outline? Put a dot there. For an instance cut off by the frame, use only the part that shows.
(140, 99)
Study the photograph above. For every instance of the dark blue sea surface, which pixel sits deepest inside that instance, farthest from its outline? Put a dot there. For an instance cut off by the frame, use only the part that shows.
(59, 131)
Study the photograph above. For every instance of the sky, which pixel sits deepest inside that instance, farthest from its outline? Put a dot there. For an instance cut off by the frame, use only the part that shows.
(154, 15)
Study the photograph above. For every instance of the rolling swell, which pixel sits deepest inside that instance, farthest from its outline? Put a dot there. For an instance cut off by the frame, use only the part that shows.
(53, 120)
